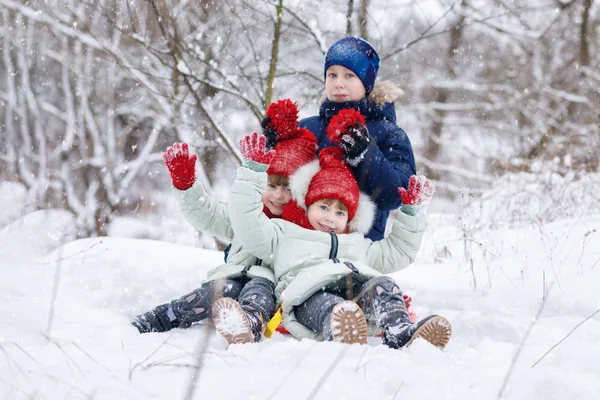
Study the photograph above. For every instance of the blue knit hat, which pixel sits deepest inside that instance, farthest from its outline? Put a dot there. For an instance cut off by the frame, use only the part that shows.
(357, 55)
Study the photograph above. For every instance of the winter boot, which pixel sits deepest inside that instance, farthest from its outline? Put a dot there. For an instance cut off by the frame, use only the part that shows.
(348, 323)
(435, 329)
(156, 320)
(236, 324)
(384, 302)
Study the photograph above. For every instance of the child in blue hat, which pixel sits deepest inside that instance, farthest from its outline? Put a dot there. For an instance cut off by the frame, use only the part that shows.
(379, 152)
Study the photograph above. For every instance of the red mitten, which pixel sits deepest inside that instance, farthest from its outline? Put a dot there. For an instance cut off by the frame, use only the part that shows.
(252, 148)
(420, 191)
(181, 165)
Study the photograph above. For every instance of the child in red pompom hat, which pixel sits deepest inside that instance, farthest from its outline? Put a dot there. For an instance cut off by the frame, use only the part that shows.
(293, 148)
(327, 272)
(332, 197)
(245, 278)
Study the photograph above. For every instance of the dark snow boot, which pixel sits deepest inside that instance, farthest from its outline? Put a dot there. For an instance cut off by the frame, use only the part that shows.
(155, 320)
(435, 329)
(384, 302)
(237, 324)
(348, 323)
(188, 309)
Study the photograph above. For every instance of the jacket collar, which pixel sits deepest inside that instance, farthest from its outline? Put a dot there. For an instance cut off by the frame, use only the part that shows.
(371, 111)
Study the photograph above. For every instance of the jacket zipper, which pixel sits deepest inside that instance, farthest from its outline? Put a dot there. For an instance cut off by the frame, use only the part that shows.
(334, 248)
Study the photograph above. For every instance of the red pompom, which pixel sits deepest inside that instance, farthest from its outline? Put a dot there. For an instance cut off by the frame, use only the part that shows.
(342, 121)
(284, 117)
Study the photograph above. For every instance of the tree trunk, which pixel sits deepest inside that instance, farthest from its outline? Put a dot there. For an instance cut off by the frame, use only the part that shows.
(349, 17)
(363, 18)
(274, 55)
(433, 147)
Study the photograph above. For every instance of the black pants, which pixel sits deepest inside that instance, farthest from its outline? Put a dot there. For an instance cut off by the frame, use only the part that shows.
(380, 299)
(252, 293)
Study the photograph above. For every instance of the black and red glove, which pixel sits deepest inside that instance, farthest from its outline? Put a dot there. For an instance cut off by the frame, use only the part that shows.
(269, 133)
(348, 129)
(355, 142)
(280, 121)
(181, 165)
(415, 200)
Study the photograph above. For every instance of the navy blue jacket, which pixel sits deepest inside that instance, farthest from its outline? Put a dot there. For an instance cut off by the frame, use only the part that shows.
(388, 163)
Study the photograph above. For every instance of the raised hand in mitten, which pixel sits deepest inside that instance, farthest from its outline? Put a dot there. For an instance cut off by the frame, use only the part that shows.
(348, 129)
(181, 165)
(252, 148)
(416, 199)
(280, 121)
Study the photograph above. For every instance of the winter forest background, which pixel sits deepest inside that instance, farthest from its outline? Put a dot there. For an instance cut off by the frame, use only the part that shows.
(501, 104)
(92, 92)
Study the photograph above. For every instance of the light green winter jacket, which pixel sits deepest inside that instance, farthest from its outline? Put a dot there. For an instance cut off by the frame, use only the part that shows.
(302, 258)
(211, 216)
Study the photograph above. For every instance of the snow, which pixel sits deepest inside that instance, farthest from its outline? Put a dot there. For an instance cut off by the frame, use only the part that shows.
(65, 307)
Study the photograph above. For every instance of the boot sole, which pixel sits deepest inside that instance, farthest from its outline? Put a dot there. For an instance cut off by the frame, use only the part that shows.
(231, 322)
(436, 331)
(348, 323)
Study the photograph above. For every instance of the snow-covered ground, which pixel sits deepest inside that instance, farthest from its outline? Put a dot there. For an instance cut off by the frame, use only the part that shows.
(65, 307)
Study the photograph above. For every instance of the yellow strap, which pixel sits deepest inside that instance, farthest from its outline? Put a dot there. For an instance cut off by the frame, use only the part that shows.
(273, 323)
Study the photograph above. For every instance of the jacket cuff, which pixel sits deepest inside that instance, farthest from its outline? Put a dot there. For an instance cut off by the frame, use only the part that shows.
(411, 223)
(192, 193)
(255, 166)
(246, 174)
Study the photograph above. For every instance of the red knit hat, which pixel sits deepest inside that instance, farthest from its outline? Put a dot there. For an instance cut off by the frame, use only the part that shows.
(295, 146)
(328, 178)
(297, 149)
(334, 181)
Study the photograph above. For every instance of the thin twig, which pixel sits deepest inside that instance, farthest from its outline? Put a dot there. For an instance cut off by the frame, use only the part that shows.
(520, 347)
(328, 372)
(424, 35)
(93, 359)
(68, 358)
(201, 346)
(398, 390)
(361, 358)
(26, 353)
(141, 363)
(291, 371)
(563, 339)
(55, 287)
(9, 359)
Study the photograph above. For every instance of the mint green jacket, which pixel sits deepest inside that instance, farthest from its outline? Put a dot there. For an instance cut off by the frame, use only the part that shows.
(211, 216)
(301, 257)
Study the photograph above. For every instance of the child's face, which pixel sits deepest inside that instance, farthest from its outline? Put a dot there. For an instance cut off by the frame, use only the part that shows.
(276, 197)
(327, 218)
(341, 84)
